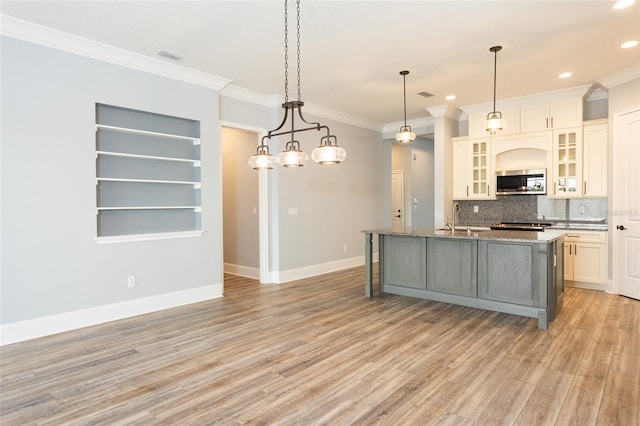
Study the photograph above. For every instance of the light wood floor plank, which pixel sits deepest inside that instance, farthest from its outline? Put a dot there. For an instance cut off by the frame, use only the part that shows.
(317, 352)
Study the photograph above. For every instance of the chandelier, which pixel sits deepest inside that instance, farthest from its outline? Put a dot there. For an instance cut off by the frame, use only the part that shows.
(495, 122)
(405, 135)
(328, 152)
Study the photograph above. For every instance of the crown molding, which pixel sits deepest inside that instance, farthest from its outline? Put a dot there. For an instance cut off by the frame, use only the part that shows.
(343, 117)
(33, 33)
(251, 96)
(573, 92)
(416, 123)
(620, 77)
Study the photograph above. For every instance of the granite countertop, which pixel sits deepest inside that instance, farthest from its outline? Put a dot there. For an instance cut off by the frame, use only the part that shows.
(579, 226)
(522, 236)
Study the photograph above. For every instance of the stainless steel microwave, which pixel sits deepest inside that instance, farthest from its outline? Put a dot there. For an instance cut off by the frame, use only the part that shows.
(521, 182)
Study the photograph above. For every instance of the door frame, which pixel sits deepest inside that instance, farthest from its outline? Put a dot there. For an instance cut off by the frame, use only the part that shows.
(264, 238)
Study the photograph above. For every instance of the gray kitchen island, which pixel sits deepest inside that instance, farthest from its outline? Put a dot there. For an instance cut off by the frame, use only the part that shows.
(515, 272)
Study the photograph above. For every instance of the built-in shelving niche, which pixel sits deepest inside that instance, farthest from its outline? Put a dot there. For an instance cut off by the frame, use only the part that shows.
(147, 175)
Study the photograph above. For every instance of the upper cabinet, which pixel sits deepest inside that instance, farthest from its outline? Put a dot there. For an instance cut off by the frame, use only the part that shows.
(551, 115)
(567, 163)
(595, 136)
(472, 171)
(580, 161)
(477, 128)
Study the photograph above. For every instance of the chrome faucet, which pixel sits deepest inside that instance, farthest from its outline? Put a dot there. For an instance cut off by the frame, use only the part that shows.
(452, 225)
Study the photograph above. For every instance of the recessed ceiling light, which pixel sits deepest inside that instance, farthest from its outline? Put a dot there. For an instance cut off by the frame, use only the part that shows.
(565, 74)
(622, 4)
(628, 44)
(450, 97)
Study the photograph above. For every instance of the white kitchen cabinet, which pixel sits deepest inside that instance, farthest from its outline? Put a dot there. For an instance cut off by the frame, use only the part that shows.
(522, 151)
(595, 138)
(472, 171)
(551, 115)
(585, 258)
(477, 124)
(566, 164)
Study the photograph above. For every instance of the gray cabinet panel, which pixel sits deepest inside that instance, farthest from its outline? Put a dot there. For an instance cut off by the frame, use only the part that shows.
(507, 273)
(452, 266)
(404, 263)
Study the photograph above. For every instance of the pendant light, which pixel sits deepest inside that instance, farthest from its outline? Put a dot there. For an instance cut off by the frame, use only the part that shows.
(405, 135)
(327, 153)
(495, 122)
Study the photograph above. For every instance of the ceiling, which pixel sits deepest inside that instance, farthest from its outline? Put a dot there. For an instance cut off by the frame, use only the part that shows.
(352, 51)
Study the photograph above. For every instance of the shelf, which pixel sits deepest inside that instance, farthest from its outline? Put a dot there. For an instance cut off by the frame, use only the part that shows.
(177, 182)
(147, 237)
(196, 141)
(147, 181)
(196, 163)
(196, 208)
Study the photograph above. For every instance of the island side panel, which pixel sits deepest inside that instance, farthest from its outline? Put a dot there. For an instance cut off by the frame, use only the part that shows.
(404, 265)
(508, 273)
(452, 266)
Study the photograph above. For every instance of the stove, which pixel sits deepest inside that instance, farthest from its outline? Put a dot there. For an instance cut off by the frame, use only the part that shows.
(521, 226)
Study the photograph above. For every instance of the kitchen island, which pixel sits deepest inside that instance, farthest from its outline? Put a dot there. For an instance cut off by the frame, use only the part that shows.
(514, 272)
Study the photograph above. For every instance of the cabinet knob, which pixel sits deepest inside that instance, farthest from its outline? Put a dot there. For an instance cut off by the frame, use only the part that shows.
(621, 227)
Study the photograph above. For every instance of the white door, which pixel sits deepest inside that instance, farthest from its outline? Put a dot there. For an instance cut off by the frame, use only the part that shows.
(626, 217)
(397, 198)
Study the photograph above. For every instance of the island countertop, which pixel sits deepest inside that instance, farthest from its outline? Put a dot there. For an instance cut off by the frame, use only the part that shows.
(520, 236)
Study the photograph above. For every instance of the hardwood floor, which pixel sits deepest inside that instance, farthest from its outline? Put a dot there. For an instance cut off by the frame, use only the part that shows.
(316, 351)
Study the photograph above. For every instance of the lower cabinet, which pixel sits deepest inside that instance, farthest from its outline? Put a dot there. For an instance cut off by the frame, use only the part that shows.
(452, 266)
(507, 273)
(404, 263)
(585, 257)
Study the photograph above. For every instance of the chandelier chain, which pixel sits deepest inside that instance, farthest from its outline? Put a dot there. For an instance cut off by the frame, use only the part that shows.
(298, 53)
(286, 52)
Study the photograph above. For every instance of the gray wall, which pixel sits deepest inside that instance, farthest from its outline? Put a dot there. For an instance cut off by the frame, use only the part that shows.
(50, 262)
(240, 198)
(335, 203)
(416, 160)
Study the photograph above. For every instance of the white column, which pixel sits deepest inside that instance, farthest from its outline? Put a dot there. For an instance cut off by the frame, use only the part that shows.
(444, 128)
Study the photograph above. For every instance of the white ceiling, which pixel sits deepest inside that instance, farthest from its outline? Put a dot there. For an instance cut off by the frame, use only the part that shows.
(352, 51)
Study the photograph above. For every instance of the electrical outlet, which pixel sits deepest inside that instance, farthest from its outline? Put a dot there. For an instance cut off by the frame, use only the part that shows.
(131, 281)
(345, 248)
(475, 209)
(581, 209)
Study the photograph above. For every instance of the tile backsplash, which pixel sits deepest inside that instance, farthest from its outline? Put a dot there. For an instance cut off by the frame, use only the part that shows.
(533, 208)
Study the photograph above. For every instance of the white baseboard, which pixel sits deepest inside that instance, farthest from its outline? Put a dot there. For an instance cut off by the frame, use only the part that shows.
(586, 286)
(53, 324)
(319, 269)
(243, 271)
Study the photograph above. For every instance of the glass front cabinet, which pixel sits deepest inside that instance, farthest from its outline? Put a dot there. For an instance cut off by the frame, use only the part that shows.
(567, 163)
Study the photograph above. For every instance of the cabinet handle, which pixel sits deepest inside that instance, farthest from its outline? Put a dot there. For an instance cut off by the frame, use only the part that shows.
(575, 249)
(488, 189)
(552, 122)
(570, 248)
(547, 125)
(585, 188)
(467, 190)
(555, 185)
